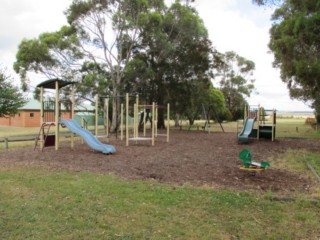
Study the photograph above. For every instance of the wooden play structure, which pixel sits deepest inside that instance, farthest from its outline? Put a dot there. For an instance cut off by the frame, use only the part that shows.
(51, 112)
(141, 114)
(51, 117)
(258, 123)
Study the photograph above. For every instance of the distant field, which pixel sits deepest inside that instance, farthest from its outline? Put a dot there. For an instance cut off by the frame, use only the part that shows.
(287, 114)
(286, 127)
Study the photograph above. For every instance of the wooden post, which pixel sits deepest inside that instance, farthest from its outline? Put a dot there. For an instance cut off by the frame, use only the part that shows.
(153, 125)
(168, 121)
(156, 121)
(258, 121)
(41, 117)
(106, 110)
(144, 121)
(134, 119)
(273, 124)
(106, 115)
(121, 121)
(72, 113)
(96, 116)
(127, 119)
(6, 143)
(57, 116)
(137, 117)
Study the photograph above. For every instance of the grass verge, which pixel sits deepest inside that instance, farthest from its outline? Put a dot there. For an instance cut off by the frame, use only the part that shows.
(39, 203)
(296, 160)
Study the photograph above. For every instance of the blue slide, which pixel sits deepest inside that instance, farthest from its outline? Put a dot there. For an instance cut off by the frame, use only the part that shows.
(88, 137)
(243, 136)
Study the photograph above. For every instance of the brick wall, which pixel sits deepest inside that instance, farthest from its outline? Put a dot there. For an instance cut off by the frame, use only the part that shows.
(27, 118)
(31, 118)
(4, 121)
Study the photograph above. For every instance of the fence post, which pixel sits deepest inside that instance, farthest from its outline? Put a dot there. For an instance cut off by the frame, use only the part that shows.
(6, 142)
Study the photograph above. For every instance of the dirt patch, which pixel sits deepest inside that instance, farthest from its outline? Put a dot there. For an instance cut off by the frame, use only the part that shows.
(195, 158)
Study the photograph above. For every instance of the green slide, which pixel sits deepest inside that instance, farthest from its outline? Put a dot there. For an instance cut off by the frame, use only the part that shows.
(243, 136)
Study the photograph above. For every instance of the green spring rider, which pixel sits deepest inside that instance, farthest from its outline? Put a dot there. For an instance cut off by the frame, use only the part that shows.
(250, 166)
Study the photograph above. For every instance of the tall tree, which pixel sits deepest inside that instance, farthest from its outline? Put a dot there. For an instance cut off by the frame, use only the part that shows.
(173, 55)
(108, 33)
(158, 48)
(11, 99)
(98, 43)
(236, 81)
(295, 43)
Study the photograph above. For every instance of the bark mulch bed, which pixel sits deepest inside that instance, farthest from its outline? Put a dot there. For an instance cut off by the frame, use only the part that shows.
(194, 158)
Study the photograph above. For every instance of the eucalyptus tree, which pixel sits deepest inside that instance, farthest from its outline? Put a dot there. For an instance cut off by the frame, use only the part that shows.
(296, 46)
(109, 32)
(101, 35)
(295, 43)
(124, 45)
(172, 61)
(236, 81)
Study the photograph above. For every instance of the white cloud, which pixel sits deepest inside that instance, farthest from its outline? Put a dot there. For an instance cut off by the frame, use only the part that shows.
(21, 19)
(239, 26)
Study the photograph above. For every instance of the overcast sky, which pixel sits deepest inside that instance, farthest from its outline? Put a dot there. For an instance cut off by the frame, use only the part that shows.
(233, 25)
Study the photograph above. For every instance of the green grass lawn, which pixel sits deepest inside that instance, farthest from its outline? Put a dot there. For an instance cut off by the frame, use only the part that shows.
(38, 203)
(6, 132)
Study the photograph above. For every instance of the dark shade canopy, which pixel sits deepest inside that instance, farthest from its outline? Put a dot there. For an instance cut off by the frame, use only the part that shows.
(51, 83)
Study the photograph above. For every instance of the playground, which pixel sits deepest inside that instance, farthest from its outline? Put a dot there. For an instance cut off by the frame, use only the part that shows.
(190, 158)
(197, 158)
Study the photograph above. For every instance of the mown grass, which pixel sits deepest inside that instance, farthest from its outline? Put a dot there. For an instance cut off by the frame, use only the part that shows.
(38, 203)
(297, 160)
(6, 132)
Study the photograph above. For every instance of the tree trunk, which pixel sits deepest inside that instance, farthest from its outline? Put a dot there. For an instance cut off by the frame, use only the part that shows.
(191, 121)
(161, 124)
(177, 120)
(115, 115)
(115, 106)
(316, 106)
